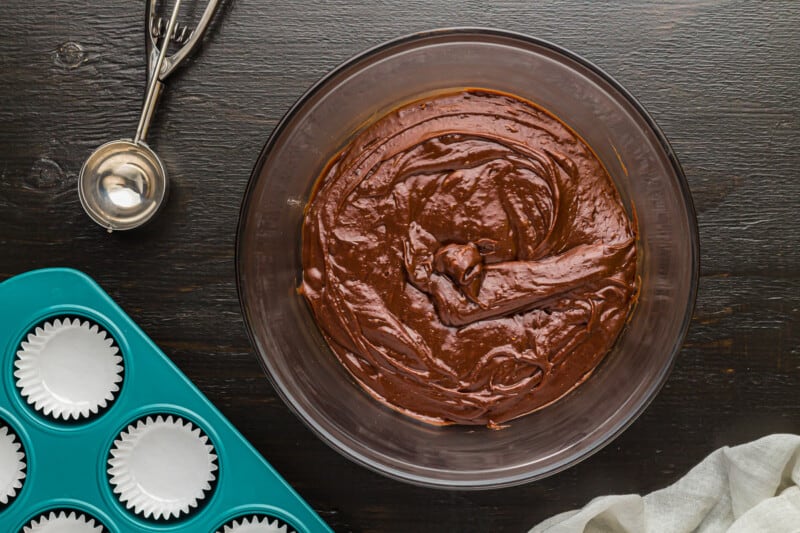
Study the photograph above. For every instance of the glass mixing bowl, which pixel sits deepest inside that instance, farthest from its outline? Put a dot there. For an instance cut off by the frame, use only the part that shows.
(293, 352)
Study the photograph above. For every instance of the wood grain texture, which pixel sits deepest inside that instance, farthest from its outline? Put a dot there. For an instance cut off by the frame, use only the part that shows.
(721, 78)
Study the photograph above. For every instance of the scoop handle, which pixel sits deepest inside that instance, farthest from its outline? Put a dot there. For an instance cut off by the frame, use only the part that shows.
(155, 87)
(172, 62)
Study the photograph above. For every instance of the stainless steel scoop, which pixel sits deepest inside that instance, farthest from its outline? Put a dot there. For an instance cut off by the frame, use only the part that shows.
(123, 183)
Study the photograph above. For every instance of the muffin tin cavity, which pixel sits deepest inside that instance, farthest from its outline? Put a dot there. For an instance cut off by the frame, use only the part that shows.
(64, 521)
(162, 467)
(68, 369)
(256, 523)
(13, 465)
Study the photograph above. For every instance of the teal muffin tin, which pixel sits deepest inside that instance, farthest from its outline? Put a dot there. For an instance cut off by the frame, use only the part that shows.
(100, 431)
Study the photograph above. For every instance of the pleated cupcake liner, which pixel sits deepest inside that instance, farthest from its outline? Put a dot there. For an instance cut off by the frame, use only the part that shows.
(12, 465)
(68, 369)
(256, 524)
(162, 467)
(64, 522)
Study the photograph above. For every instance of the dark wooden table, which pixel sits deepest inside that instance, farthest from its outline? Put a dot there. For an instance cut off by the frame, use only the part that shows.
(721, 78)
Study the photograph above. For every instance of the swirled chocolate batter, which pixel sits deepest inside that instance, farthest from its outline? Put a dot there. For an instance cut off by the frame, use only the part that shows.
(468, 258)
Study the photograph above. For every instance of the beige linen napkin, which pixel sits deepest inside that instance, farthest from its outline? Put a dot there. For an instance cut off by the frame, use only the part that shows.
(751, 488)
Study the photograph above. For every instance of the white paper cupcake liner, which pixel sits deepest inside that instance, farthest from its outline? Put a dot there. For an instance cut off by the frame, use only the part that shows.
(68, 369)
(12, 464)
(62, 522)
(162, 467)
(256, 524)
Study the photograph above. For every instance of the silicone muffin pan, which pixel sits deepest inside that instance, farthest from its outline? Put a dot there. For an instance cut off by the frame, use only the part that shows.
(100, 432)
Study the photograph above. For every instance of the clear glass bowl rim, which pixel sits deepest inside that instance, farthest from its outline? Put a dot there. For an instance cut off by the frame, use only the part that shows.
(421, 36)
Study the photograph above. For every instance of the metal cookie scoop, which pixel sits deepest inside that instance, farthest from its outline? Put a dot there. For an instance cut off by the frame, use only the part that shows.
(123, 183)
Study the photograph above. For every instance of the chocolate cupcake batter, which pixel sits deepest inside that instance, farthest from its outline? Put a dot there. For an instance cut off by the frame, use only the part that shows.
(468, 258)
